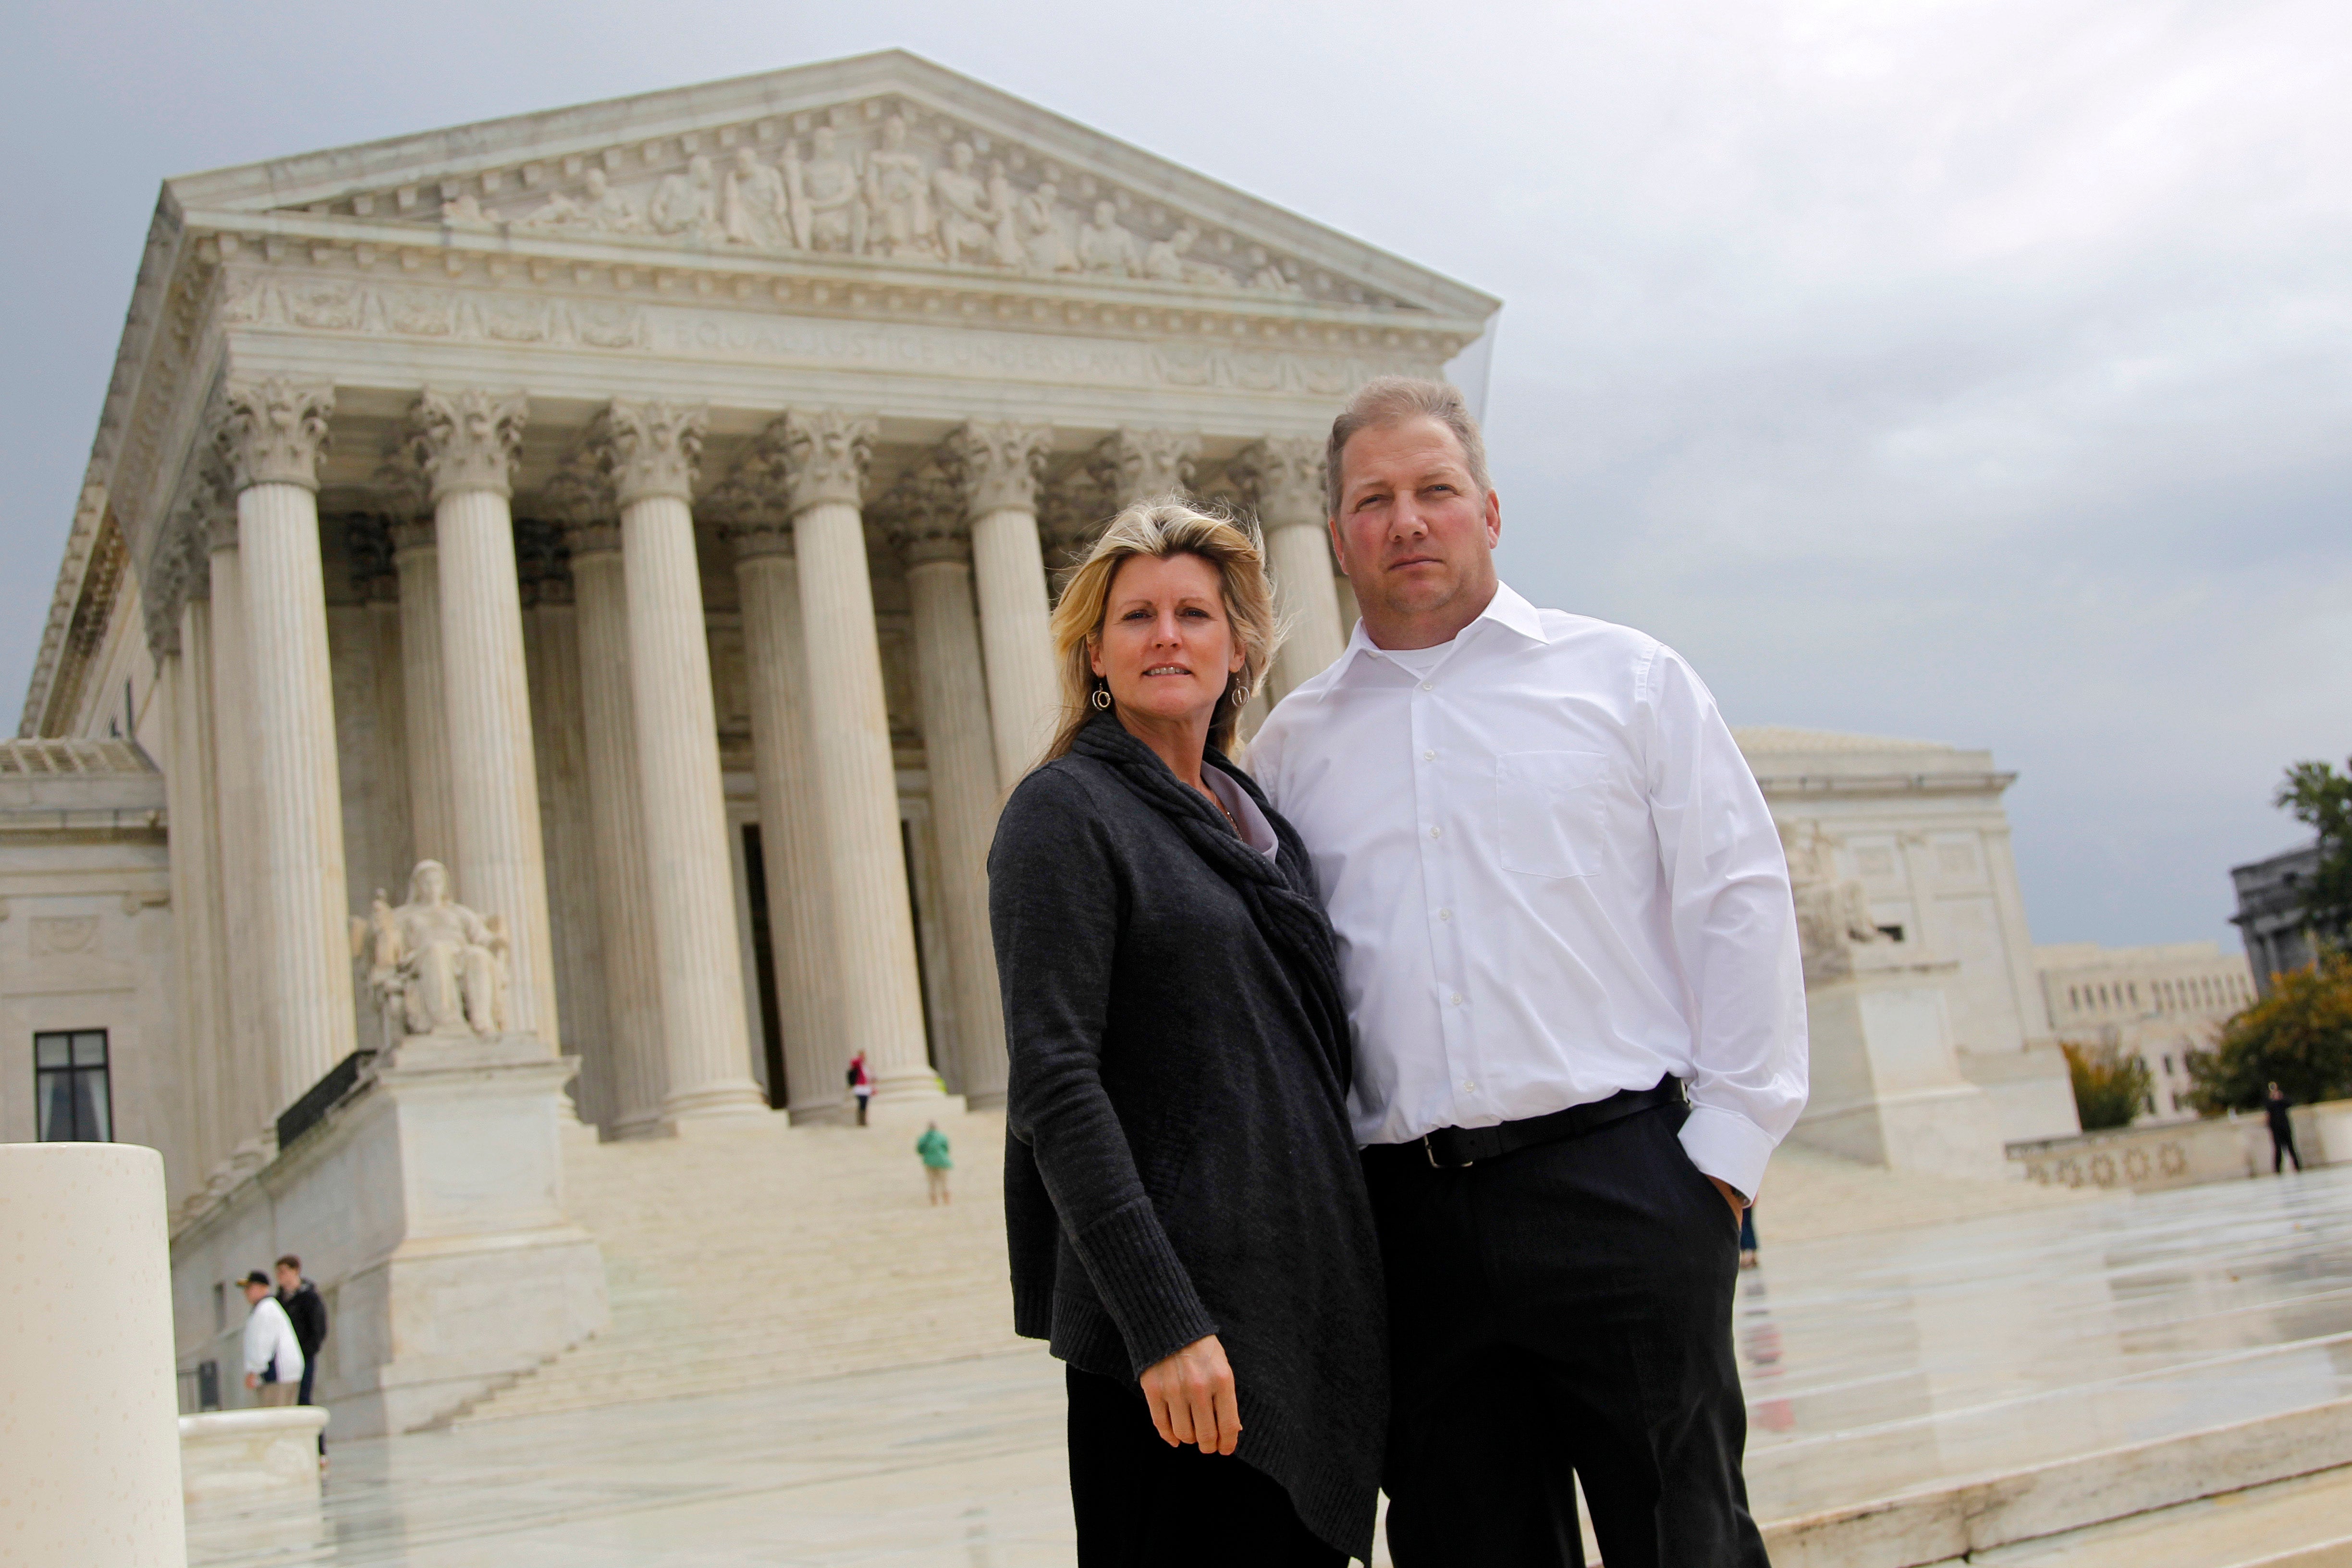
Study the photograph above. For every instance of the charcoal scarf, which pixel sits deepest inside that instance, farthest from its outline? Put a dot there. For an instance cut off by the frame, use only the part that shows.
(1279, 890)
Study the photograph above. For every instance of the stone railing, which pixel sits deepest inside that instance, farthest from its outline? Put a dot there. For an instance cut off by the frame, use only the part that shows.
(2184, 1154)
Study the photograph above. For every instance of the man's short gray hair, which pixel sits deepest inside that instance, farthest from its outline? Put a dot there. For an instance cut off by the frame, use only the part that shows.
(1386, 399)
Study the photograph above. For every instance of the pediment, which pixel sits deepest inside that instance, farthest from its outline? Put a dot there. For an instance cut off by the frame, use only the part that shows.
(884, 159)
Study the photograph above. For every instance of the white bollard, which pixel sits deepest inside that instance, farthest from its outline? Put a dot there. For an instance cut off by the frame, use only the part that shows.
(89, 1432)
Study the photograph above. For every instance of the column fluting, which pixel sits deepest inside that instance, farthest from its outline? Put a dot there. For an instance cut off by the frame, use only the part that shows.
(791, 819)
(248, 1062)
(996, 465)
(576, 950)
(424, 711)
(654, 449)
(189, 794)
(272, 435)
(616, 818)
(1282, 478)
(874, 932)
(467, 441)
(959, 754)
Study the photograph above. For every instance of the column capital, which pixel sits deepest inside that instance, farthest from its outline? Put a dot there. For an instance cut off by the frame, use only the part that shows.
(273, 431)
(996, 464)
(1141, 465)
(924, 520)
(1282, 478)
(753, 505)
(650, 448)
(825, 453)
(467, 439)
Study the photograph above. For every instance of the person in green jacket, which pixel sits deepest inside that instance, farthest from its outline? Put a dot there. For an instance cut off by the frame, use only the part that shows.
(933, 1147)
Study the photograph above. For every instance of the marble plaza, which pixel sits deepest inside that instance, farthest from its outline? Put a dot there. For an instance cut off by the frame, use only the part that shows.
(1876, 1364)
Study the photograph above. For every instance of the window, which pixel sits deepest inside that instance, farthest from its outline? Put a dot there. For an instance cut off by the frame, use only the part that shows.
(70, 1087)
(2168, 1065)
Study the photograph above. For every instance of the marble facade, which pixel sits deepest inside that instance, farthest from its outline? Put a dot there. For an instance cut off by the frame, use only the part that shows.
(1919, 891)
(646, 511)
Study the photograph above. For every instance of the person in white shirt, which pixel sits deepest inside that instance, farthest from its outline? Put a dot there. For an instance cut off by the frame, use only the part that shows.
(1570, 963)
(273, 1356)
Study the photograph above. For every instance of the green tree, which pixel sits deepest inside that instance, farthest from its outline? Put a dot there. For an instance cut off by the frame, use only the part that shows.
(2321, 799)
(2299, 1038)
(2110, 1087)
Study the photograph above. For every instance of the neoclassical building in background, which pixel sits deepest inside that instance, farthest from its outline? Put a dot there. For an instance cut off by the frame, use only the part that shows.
(648, 511)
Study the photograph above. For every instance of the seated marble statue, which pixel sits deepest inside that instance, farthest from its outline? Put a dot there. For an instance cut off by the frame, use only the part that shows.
(435, 966)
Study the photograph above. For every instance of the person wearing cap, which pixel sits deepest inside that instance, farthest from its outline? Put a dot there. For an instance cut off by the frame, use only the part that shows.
(273, 1356)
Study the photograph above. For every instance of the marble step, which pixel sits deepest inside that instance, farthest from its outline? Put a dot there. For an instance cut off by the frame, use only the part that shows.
(2305, 1523)
(2034, 1509)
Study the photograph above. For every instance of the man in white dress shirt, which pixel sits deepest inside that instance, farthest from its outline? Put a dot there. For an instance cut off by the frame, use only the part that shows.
(1570, 959)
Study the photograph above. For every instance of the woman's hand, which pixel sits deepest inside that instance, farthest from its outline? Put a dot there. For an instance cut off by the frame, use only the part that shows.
(1193, 1400)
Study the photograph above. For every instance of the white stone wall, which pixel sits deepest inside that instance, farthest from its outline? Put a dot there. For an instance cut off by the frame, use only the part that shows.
(2157, 1003)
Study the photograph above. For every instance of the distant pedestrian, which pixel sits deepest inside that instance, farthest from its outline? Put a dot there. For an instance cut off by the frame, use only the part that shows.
(860, 1085)
(2275, 1105)
(933, 1147)
(307, 1310)
(1748, 1237)
(273, 1356)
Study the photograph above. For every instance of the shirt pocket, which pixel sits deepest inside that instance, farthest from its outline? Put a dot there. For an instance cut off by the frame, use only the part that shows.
(1548, 810)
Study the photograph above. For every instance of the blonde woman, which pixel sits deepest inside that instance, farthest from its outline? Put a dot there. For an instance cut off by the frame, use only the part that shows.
(1188, 1220)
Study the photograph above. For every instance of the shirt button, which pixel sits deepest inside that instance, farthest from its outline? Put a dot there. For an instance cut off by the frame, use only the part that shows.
(1457, 998)
(1469, 1087)
(1429, 686)
(1446, 914)
(1429, 756)
(1435, 831)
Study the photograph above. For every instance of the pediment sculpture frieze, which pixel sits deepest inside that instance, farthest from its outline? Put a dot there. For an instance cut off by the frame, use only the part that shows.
(896, 185)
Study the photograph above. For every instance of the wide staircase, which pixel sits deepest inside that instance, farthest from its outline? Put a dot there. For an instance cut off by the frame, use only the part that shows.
(757, 1253)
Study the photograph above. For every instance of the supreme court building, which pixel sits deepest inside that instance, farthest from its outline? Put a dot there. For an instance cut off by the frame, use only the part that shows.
(648, 511)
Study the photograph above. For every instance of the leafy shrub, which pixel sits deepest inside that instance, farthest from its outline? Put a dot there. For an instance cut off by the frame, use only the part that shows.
(2299, 1038)
(2110, 1087)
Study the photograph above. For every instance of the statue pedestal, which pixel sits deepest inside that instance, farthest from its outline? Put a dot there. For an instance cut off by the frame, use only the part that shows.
(428, 1206)
(1886, 1081)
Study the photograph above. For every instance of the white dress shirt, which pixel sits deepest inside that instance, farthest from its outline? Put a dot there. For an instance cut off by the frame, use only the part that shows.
(1552, 876)
(269, 1336)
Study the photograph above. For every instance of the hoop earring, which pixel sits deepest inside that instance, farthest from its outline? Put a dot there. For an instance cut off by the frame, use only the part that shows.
(1241, 691)
(1101, 698)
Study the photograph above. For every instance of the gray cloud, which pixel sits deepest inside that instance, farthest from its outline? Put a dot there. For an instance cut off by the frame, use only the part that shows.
(1972, 371)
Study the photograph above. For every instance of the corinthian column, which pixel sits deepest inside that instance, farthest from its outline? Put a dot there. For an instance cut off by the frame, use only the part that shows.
(1144, 465)
(872, 922)
(995, 466)
(934, 543)
(652, 449)
(249, 1068)
(467, 441)
(192, 799)
(424, 710)
(1282, 477)
(791, 820)
(625, 892)
(271, 435)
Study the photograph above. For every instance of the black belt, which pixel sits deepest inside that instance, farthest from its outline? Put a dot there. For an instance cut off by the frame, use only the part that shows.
(1451, 1148)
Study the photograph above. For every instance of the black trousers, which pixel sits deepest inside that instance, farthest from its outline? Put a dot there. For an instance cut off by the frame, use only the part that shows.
(1563, 1308)
(2283, 1149)
(1142, 1504)
(302, 1394)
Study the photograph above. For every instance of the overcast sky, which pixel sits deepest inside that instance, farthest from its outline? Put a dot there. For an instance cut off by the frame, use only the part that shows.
(1977, 372)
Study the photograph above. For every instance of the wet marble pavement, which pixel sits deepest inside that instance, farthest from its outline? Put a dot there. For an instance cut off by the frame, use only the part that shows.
(1873, 1364)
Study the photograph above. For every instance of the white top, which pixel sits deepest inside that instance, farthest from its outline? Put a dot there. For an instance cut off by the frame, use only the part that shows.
(1552, 876)
(269, 1336)
(1255, 830)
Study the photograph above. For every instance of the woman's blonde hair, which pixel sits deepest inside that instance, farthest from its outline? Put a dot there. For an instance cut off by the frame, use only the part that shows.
(1165, 526)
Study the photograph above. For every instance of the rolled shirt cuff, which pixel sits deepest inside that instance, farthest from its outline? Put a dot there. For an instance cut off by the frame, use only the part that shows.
(1728, 1146)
